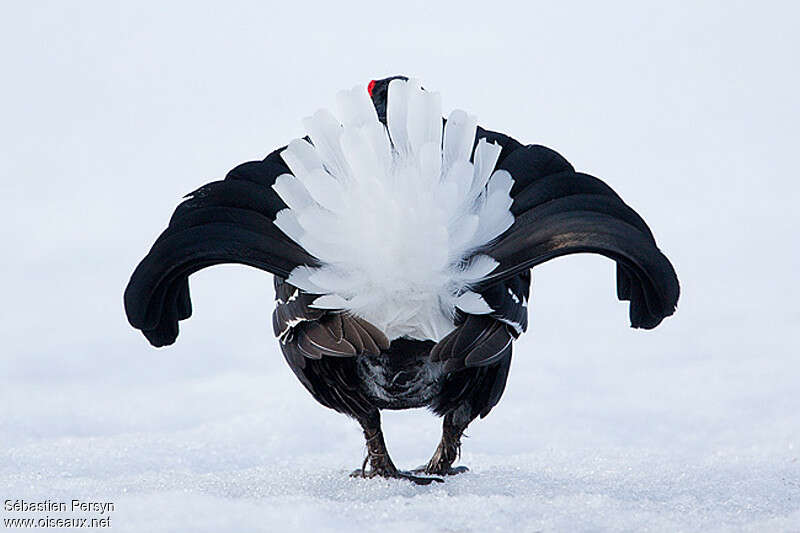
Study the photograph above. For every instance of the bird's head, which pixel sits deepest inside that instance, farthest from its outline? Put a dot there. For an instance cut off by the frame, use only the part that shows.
(379, 91)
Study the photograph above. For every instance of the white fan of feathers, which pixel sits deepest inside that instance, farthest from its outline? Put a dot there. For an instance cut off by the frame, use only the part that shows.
(395, 213)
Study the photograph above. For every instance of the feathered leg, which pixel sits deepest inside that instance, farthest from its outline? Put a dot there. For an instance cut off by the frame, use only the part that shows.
(449, 448)
(465, 395)
(378, 456)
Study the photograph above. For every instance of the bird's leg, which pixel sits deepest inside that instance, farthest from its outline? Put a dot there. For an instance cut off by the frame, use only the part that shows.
(449, 449)
(378, 456)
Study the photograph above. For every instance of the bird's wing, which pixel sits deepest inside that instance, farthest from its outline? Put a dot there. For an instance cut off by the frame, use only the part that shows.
(508, 300)
(319, 346)
(228, 221)
(480, 340)
(559, 211)
(321, 332)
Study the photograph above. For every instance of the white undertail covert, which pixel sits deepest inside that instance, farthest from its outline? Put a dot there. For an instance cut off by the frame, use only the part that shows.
(394, 213)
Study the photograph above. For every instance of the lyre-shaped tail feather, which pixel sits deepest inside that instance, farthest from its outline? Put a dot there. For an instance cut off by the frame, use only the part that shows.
(227, 221)
(559, 211)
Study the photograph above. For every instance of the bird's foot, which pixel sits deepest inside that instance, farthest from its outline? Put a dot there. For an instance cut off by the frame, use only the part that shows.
(380, 463)
(441, 464)
(440, 470)
(394, 473)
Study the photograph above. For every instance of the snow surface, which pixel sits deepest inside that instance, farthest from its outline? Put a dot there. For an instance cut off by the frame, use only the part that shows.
(112, 112)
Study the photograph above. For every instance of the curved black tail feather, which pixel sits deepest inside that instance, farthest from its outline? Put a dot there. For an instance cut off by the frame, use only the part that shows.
(559, 211)
(227, 221)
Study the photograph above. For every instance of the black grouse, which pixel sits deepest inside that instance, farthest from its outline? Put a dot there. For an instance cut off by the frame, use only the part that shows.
(401, 245)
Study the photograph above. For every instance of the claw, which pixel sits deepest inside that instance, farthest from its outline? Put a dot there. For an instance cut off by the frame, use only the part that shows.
(397, 474)
(419, 480)
(451, 471)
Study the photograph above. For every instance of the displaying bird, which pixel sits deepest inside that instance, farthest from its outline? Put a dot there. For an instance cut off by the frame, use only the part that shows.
(401, 245)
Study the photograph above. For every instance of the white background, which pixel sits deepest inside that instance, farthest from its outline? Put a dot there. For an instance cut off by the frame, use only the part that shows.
(111, 112)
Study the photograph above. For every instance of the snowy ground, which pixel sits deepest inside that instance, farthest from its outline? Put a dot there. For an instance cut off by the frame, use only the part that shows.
(113, 112)
(593, 441)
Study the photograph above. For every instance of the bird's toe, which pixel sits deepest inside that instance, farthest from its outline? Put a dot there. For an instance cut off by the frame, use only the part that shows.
(440, 471)
(397, 474)
(419, 480)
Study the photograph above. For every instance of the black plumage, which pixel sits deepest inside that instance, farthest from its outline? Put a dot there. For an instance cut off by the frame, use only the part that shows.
(348, 364)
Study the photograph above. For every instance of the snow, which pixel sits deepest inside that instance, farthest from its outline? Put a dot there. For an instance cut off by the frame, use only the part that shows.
(236, 451)
(113, 112)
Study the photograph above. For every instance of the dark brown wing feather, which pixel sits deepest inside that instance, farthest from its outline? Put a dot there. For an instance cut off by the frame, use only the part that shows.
(479, 341)
(321, 346)
(321, 332)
